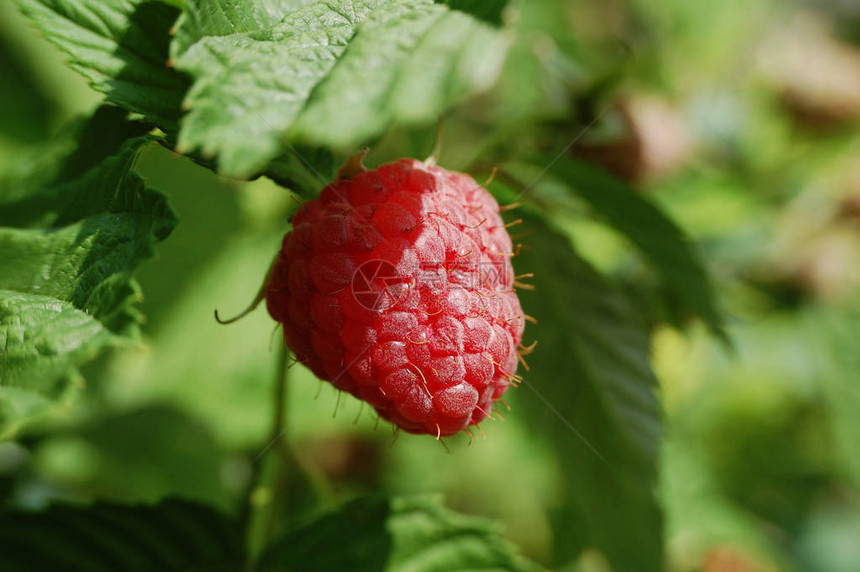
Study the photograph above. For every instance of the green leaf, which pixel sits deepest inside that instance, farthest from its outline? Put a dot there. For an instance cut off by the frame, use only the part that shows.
(201, 18)
(488, 10)
(72, 228)
(25, 108)
(658, 238)
(121, 47)
(330, 74)
(377, 534)
(834, 335)
(305, 169)
(174, 535)
(591, 391)
(137, 456)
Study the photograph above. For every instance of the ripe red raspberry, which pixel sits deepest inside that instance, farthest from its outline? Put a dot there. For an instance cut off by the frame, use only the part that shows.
(396, 286)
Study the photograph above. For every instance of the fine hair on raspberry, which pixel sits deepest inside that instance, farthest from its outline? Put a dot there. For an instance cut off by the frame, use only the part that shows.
(396, 285)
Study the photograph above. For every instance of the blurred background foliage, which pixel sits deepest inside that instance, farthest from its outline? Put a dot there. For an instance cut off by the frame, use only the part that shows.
(739, 118)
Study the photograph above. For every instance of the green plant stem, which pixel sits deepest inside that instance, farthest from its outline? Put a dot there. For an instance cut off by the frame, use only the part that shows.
(281, 377)
(254, 510)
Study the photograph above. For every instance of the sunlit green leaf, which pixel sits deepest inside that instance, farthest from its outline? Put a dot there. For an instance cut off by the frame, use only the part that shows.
(121, 47)
(71, 232)
(330, 74)
(201, 18)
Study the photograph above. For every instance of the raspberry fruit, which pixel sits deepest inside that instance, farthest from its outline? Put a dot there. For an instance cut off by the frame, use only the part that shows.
(396, 286)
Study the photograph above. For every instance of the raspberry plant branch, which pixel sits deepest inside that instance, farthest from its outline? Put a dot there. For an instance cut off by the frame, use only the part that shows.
(259, 504)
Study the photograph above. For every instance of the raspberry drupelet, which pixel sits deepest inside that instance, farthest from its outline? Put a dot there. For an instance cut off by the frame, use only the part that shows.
(396, 286)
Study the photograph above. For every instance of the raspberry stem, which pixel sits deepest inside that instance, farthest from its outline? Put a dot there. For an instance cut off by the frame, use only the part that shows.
(266, 487)
(280, 397)
(437, 144)
(261, 295)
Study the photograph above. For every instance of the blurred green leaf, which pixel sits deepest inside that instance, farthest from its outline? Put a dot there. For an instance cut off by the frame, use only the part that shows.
(212, 214)
(71, 233)
(591, 392)
(229, 384)
(767, 445)
(330, 74)
(152, 452)
(701, 518)
(121, 47)
(172, 536)
(518, 107)
(488, 10)
(830, 540)
(25, 110)
(841, 379)
(659, 239)
(376, 534)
